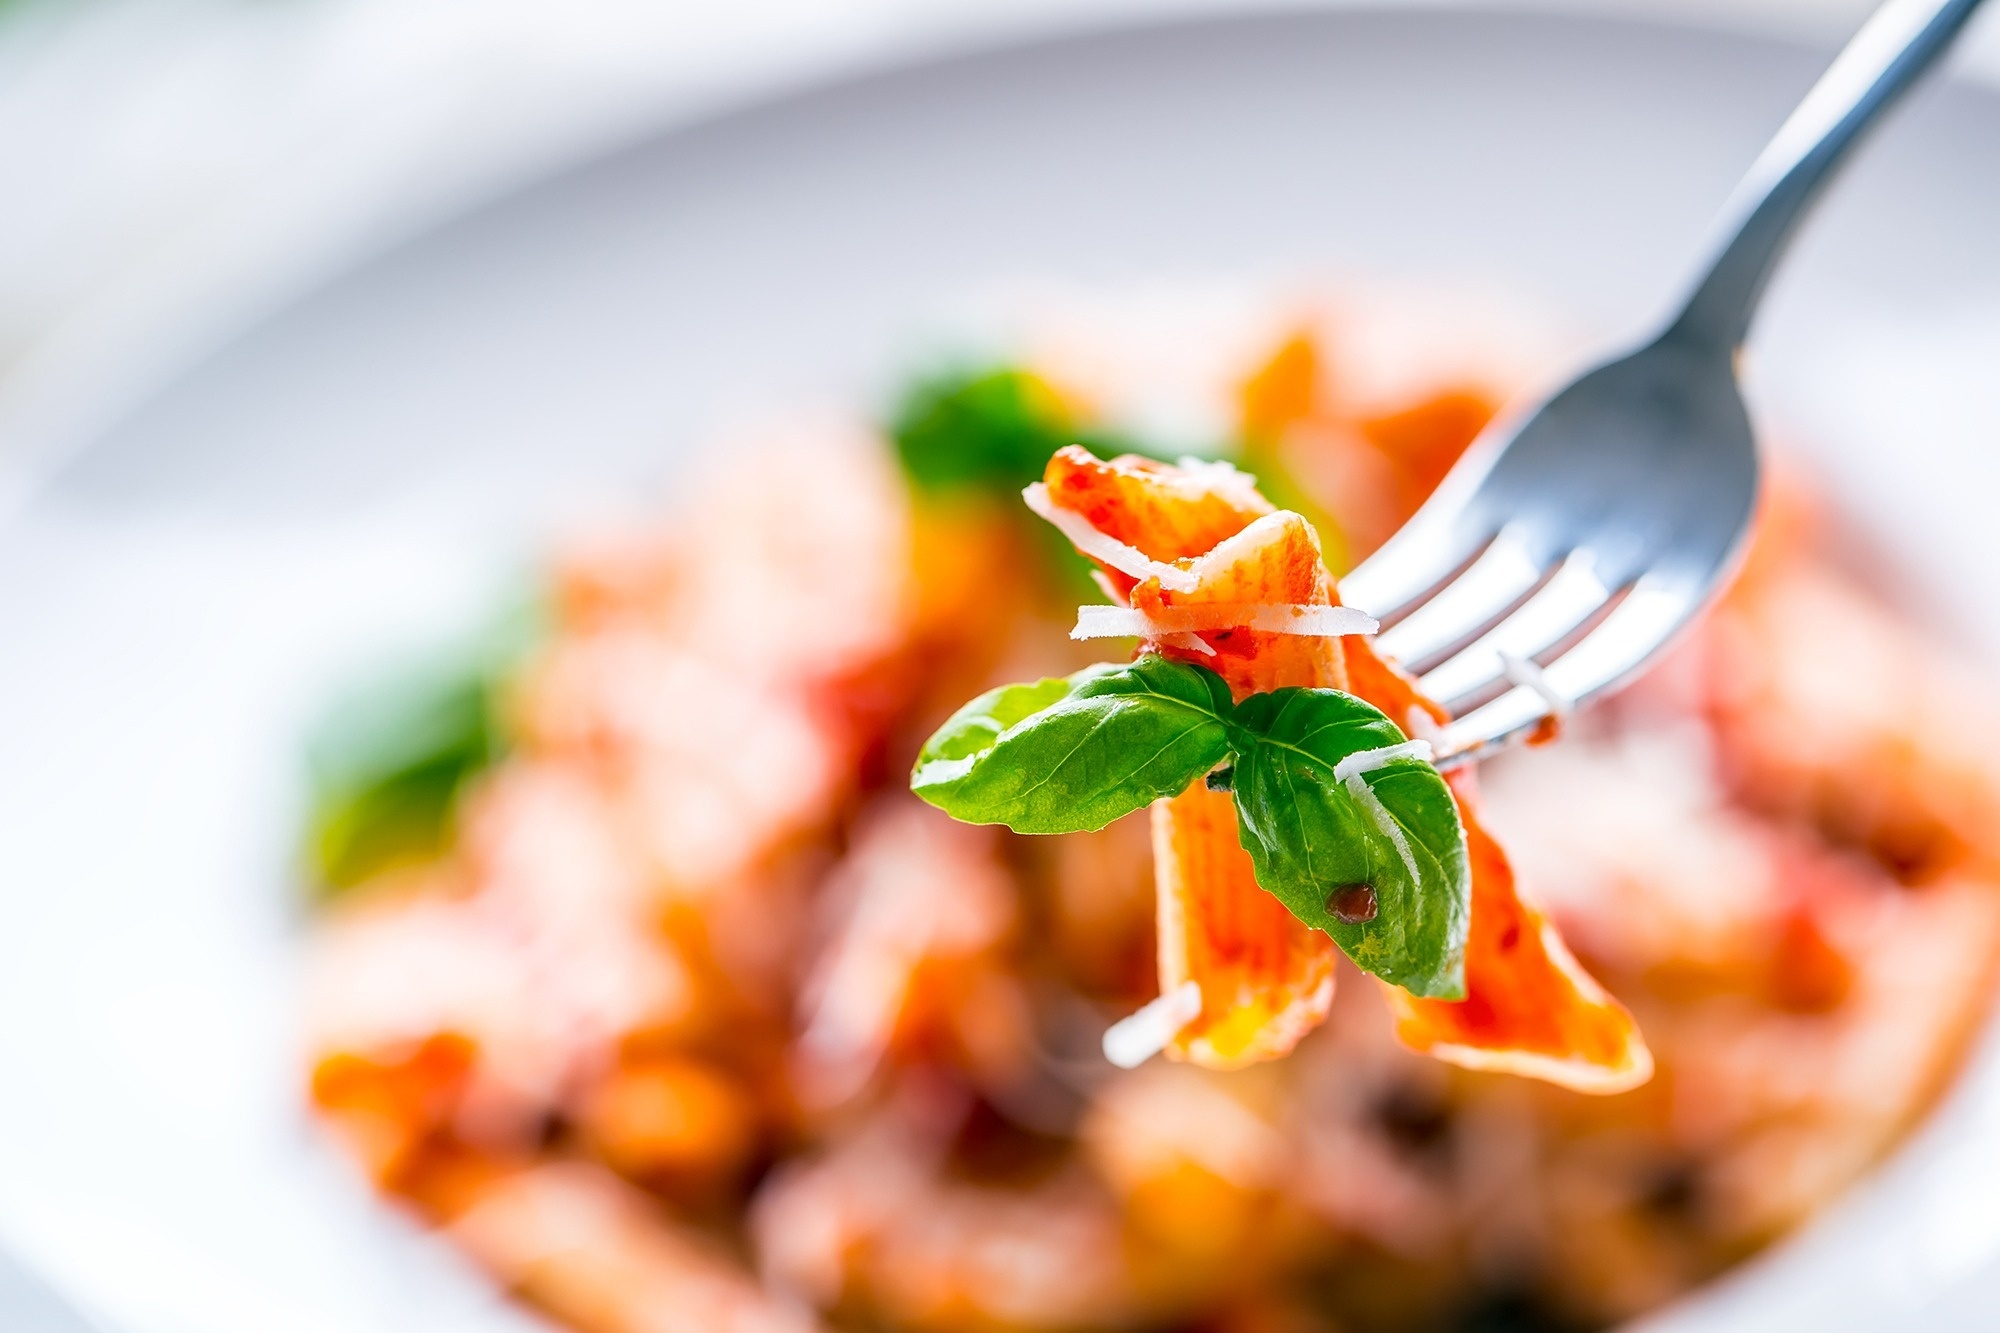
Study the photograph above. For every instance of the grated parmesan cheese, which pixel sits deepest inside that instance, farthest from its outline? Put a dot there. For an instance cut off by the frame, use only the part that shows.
(1192, 643)
(1365, 797)
(1141, 1035)
(1367, 761)
(1349, 771)
(1101, 546)
(1219, 473)
(1119, 622)
(1525, 672)
(1108, 588)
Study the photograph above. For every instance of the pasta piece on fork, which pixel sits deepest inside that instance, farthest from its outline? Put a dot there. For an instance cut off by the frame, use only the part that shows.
(1265, 978)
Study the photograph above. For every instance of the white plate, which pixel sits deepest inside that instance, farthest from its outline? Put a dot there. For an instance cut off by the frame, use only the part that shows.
(182, 595)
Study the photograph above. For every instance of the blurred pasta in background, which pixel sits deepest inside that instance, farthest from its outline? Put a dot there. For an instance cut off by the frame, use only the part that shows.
(639, 972)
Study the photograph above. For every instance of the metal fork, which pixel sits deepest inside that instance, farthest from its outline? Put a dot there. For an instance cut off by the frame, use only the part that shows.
(1571, 542)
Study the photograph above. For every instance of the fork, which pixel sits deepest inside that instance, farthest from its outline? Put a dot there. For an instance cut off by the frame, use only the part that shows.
(1572, 542)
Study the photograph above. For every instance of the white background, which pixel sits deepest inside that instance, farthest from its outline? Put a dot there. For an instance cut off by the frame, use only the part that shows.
(170, 167)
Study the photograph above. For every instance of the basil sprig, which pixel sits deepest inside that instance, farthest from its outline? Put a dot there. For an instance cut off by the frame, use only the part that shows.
(1071, 755)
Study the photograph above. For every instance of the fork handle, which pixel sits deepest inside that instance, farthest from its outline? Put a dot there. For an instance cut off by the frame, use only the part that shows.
(1899, 42)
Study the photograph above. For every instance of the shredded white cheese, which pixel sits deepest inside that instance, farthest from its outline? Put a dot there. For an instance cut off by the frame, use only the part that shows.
(1365, 797)
(1367, 761)
(1100, 546)
(1192, 643)
(1119, 622)
(1220, 473)
(1186, 642)
(1140, 1036)
(1350, 770)
(1524, 671)
(1108, 588)
(1420, 724)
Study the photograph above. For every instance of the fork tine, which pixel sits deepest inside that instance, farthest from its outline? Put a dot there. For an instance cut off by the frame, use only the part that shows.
(1503, 571)
(1569, 598)
(1421, 555)
(1649, 615)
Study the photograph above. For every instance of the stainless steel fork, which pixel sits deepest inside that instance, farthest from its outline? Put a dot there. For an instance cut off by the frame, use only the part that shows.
(1573, 541)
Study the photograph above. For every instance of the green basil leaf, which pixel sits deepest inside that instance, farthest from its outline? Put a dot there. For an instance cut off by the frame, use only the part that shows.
(402, 812)
(389, 762)
(1068, 756)
(1313, 841)
(979, 433)
(990, 429)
